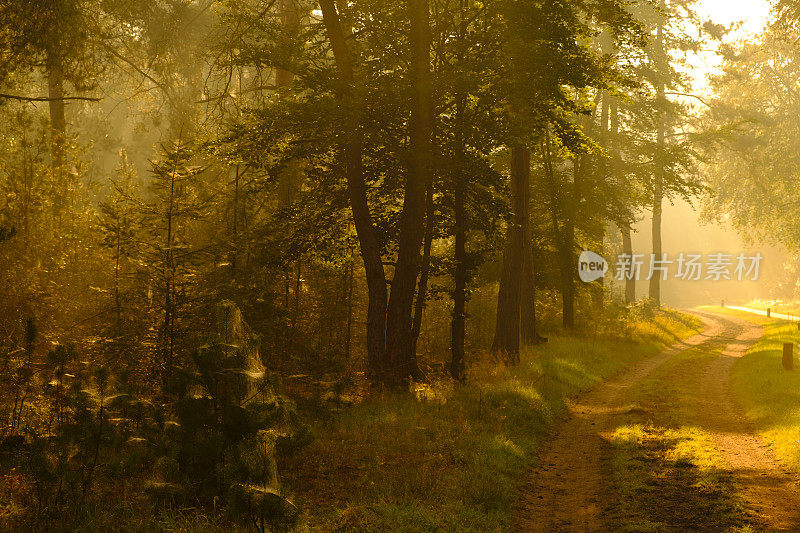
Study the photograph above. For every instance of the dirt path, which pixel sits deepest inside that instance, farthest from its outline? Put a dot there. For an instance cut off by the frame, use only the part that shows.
(770, 491)
(570, 489)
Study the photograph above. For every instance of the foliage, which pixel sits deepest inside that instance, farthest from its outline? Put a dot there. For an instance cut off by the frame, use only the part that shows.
(162, 156)
(751, 160)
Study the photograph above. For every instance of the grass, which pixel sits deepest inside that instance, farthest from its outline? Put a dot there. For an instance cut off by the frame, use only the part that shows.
(666, 469)
(777, 306)
(453, 463)
(769, 394)
(670, 480)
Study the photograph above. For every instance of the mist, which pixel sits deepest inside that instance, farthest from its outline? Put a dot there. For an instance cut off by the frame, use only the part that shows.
(307, 265)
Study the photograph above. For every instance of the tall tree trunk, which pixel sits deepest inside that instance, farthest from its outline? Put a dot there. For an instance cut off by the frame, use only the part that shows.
(568, 246)
(625, 230)
(290, 21)
(458, 325)
(234, 254)
(412, 226)
(349, 332)
(58, 129)
(459, 321)
(658, 198)
(529, 332)
(461, 272)
(658, 174)
(422, 286)
(351, 147)
(507, 327)
(598, 287)
(117, 300)
(627, 249)
(563, 236)
(289, 180)
(170, 269)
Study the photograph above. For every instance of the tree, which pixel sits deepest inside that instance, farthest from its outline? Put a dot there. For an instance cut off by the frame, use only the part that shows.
(351, 161)
(56, 38)
(672, 154)
(170, 261)
(751, 132)
(541, 36)
(399, 340)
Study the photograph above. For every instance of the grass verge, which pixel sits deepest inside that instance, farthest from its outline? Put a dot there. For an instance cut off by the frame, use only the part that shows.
(451, 460)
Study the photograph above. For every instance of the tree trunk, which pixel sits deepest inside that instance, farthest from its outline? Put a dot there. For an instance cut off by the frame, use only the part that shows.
(529, 332)
(290, 21)
(117, 300)
(234, 253)
(422, 286)
(627, 249)
(567, 281)
(412, 226)
(458, 325)
(598, 287)
(567, 250)
(349, 334)
(564, 237)
(655, 281)
(627, 244)
(507, 327)
(357, 190)
(58, 129)
(658, 174)
(169, 296)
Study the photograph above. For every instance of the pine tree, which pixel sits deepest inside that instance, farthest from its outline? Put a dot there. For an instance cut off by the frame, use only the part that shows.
(168, 258)
(119, 226)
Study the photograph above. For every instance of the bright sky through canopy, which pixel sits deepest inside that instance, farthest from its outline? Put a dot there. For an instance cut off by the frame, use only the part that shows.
(752, 13)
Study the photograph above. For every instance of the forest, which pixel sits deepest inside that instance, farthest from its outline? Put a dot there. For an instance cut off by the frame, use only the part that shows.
(316, 265)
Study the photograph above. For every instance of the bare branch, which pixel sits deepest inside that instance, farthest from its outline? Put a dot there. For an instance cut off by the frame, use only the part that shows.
(698, 98)
(243, 91)
(48, 99)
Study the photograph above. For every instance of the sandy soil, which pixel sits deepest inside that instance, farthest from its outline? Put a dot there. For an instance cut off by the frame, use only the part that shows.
(570, 488)
(770, 490)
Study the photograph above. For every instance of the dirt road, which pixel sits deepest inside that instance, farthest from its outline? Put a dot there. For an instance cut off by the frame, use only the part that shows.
(571, 488)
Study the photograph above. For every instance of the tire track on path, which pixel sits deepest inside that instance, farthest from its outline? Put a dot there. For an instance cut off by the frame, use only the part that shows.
(769, 489)
(568, 489)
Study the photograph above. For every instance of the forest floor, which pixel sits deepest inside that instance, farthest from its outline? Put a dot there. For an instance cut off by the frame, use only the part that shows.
(679, 442)
(451, 458)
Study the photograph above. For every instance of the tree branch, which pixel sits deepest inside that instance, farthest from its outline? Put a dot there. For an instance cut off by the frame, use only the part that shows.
(243, 91)
(47, 99)
(698, 98)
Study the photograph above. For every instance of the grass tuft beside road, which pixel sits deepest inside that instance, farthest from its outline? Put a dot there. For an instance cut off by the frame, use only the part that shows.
(455, 463)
